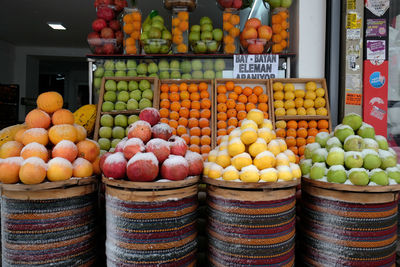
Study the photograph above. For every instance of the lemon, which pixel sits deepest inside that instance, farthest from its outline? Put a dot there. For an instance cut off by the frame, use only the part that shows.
(289, 104)
(310, 95)
(311, 86)
(301, 111)
(289, 95)
(248, 136)
(266, 134)
(322, 112)
(248, 124)
(278, 104)
(242, 160)
(282, 144)
(299, 93)
(206, 168)
(284, 173)
(215, 171)
(279, 95)
(296, 171)
(291, 112)
(289, 87)
(250, 174)
(298, 102)
(223, 146)
(256, 115)
(319, 102)
(266, 124)
(308, 103)
(273, 147)
(320, 92)
(236, 147)
(230, 173)
(235, 133)
(277, 86)
(292, 157)
(311, 111)
(269, 175)
(280, 124)
(282, 160)
(259, 146)
(280, 112)
(223, 159)
(265, 160)
(212, 156)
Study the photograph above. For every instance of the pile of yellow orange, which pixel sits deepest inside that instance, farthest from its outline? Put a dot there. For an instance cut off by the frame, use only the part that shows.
(231, 32)
(132, 26)
(180, 24)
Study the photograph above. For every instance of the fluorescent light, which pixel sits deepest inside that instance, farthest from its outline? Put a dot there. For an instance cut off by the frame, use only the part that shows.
(56, 26)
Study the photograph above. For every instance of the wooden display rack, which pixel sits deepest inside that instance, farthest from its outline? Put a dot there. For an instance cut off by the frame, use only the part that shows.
(210, 84)
(265, 84)
(321, 83)
(154, 86)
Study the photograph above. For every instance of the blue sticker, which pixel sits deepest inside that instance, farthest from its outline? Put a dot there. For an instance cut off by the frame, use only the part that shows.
(377, 80)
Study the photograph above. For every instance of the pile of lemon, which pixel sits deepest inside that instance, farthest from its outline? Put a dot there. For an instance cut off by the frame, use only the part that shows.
(252, 153)
(291, 101)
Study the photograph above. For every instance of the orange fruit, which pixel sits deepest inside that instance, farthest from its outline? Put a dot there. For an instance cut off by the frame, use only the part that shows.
(280, 132)
(173, 123)
(130, 49)
(184, 95)
(175, 106)
(257, 90)
(164, 96)
(294, 149)
(263, 107)
(312, 132)
(276, 48)
(233, 121)
(186, 137)
(292, 124)
(174, 96)
(222, 116)
(181, 130)
(205, 103)
(250, 106)
(195, 131)
(301, 141)
(276, 19)
(312, 124)
(302, 132)
(205, 113)
(230, 103)
(230, 129)
(204, 94)
(234, 19)
(173, 88)
(238, 90)
(181, 48)
(221, 98)
(291, 132)
(233, 96)
(193, 88)
(227, 26)
(184, 112)
(164, 113)
(290, 141)
(175, 22)
(183, 121)
(192, 122)
(195, 96)
(164, 103)
(241, 115)
(229, 48)
(240, 107)
(276, 28)
(206, 131)
(221, 107)
(302, 124)
(195, 105)
(323, 124)
(222, 125)
(301, 150)
(234, 32)
(194, 113)
(183, 15)
(185, 103)
(194, 148)
(284, 25)
(136, 25)
(203, 122)
(242, 98)
(173, 115)
(276, 38)
(247, 91)
(177, 39)
(266, 115)
(253, 99)
(310, 139)
(205, 140)
(229, 86)
(128, 28)
(231, 113)
(226, 16)
(205, 149)
(195, 140)
(221, 89)
(164, 120)
(183, 87)
(221, 132)
(263, 98)
(203, 86)
(128, 18)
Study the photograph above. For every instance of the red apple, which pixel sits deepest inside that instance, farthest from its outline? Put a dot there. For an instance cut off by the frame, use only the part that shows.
(98, 50)
(175, 168)
(121, 145)
(93, 39)
(237, 4)
(98, 25)
(143, 167)
(133, 146)
(119, 36)
(151, 115)
(115, 25)
(160, 148)
(141, 130)
(103, 158)
(115, 166)
(195, 161)
(178, 146)
(109, 49)
(225, 3)
(107, 33)
(120, 4)
(161, 130)
(106, 13)
(98, 3)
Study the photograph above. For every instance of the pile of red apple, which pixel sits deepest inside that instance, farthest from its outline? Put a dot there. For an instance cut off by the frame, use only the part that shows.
(107, 36)
(151, 152)
(255, 36)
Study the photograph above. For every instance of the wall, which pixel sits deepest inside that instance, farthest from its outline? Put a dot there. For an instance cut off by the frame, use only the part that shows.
(7, 60)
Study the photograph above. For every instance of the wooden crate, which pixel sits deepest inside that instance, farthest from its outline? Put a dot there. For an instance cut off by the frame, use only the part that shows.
(243, 83)
(210, 84)
(300, 84)
(154, 86)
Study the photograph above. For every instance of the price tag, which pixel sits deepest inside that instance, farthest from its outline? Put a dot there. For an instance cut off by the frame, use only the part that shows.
(255, 66)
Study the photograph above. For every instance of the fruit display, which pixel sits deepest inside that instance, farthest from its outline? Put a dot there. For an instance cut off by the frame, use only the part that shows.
(151, 152)
(180, 31)
(155, 37)
(203, 38)
(230, 25)
(300, 97)
(188, 4)
(234, 99)
(49, 146)
(280, 30)
(107, 37)
(299, 133)
(132, 24)
(186, 106)
(255, 37)
(352, 154)
(252, 153)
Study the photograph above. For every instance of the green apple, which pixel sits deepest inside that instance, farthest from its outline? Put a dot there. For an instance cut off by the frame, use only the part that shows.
(164, 49)
(353, 120)
(163, 65)
(131, 64)
(186, 76)
(144, 85)
(353, 159)
(109, 73)
(152, 67)
(158, 18)
(197, 64)
(358, 176)
(206, 36)
(99, 72)
(174, 65)
(166, 35)
(321, 138)
(104, 143)
(209, 74)
(133, 85)
(120, 105)
(195, 28)
(186, 66)
(366, 131)
(107, 120)
(218, 75)
(148, 94)
(371, 144)
(175, 74)
(309, 149)
(353, 143)
(164, 75)
(121, 120)
(107, 106)
(118, 132)
(286, 3)
(123, 96)
(335, 156)
(388, 159)
(155, 32)
(319, 155)
(132, 104)
(394, 173)
(136, 94)
(305, 166)
(371, 159)
(200, 47)
(120, 65)
(110, 85)
(208, 64)
(217, 35)
(207, 27)
(337, 174)
(197, 74)
(132, 119)
(105, 132)
(131, 73)
(318, 171)
(120, 73)
(145, 103)
(115, 142)
(97, 83)
(109, 65)
(219, 64)
(343, 131)
(382, 142)
(155, 47)
(212, 46)
(142, 68)
(333, 142)
(379, 177)
(205, 20)
(110, 96)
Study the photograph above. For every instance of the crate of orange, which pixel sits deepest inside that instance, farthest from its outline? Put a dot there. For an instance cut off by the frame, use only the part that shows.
(234, 98)
(187, 106)
(132, 24)
(298, 133)
(296, 99)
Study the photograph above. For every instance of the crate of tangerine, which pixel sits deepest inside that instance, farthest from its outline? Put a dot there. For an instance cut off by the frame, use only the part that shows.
(187, 106)
(234, 98)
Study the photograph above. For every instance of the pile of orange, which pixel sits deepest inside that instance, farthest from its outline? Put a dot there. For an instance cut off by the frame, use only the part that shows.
(298, 134)
(132, 26)
(233, 103)
(187, 109)
(180, 24)
(231, 32)
(280, 34)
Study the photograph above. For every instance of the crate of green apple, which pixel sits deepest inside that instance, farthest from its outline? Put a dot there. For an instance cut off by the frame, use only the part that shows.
(150, 153)
(203, 38)
(351, 155)
(155, 37)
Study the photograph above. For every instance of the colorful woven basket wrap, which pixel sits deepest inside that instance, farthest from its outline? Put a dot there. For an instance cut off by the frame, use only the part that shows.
(151, 233)
(337, 233)
(59, 232)
(251, 233)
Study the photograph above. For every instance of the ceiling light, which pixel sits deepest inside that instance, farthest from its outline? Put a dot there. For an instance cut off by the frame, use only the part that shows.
(56, 26)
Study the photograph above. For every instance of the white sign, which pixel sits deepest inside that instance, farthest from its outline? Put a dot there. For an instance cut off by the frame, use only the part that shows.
(255, 66)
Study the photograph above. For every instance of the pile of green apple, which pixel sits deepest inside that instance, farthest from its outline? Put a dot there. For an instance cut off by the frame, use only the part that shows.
(191, 69)
(113, 129)
(155, 37)
(204, 38)
(127, 95)
(352, 154)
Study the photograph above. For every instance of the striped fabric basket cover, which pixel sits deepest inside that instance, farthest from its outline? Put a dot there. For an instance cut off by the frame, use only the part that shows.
(151, 228)
(57, 230)
(342, 229)
(251, 228)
